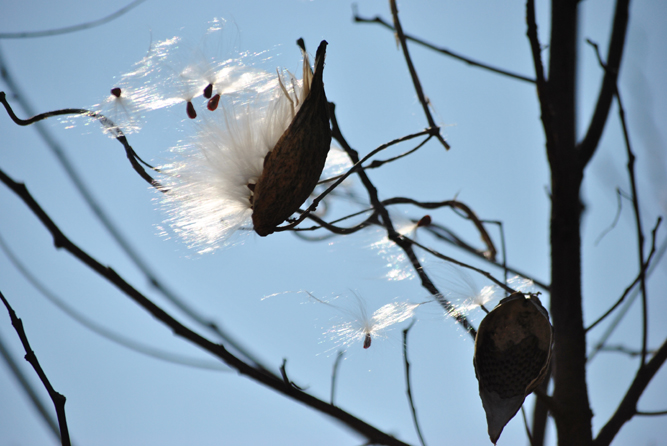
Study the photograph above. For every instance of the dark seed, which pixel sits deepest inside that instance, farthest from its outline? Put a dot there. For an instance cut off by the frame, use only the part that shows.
(208, 91)
(192, 114)
(115, 92)
(213, 102)
(424, 221)
(367, 340)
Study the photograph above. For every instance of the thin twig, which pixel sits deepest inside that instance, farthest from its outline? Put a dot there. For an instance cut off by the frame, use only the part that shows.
(448, 236)
(454, 204)
(459, 263)
(616, 218)
(525, 425)
(628, 406)
(625, 350)
(392, 234)
(74, 28)
(29, 390)
(57, 398)
(408, 383)
(334, 374)
(642, 273)
(638, 220)
(132, 156)
(413, 74)
(660, 252)
(379, 20)
(651, 414)
(373, 434)
(355, 168)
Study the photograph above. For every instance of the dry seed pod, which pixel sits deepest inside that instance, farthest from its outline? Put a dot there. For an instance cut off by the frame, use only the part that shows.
(293, 167)
(512, 354)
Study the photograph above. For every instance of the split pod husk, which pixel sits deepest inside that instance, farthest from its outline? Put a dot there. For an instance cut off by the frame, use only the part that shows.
(293, 168)
(512, 355)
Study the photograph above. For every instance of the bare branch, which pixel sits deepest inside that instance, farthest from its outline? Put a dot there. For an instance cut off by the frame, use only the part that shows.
(57, 398)
(445, 51)
(459, 263)
(652, 414)
(29, 390)
(468, 213)
(587, 146)
(408, 385)
(628, 406)
(74, 28)
(392, 234)
(642, 273)
(413, 73)
(638, 220)
(106, 122)
(334, 374)
(373, 434)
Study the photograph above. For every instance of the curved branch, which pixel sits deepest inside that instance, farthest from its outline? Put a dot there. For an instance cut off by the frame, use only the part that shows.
(106, 122)
(587, 146)
(469, 214)
(74, 28)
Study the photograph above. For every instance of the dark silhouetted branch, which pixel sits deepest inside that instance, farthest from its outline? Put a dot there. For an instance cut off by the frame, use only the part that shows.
(408, 385)
(413, 74)
(587, 146)
(445, 51)
(628, 406)
(71, 29)
(57, 398)
(373, 434)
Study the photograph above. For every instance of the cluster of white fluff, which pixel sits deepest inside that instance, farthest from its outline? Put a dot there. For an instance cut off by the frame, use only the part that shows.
(248, 109)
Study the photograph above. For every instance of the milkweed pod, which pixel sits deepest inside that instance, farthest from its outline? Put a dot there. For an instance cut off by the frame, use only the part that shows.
(293, 167)
(512, 355)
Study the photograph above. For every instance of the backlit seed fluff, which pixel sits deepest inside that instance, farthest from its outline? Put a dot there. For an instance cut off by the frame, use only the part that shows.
(261, 159)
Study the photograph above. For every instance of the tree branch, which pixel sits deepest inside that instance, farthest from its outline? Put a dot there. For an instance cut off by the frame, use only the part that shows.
(628, 406)
(413, 75)
(587, 146)
(407, 383)
(392, 234)
(373, 434)
(445, 51)
(57, 398)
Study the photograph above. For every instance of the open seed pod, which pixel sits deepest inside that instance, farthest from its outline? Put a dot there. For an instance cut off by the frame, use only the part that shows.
(293, 168)
(512, 354)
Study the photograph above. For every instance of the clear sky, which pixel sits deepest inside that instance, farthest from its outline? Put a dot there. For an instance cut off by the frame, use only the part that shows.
(497, 165)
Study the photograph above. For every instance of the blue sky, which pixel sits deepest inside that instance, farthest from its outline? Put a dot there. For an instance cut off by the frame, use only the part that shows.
(497, 165)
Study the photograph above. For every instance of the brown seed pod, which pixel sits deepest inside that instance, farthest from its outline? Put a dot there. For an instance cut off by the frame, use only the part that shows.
(512, 355)
(293, 167)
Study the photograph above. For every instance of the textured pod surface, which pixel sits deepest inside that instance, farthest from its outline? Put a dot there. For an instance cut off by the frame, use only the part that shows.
(512, 355)
(293, 168)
